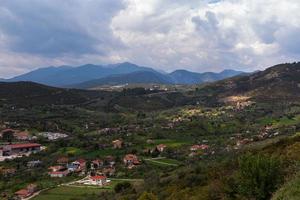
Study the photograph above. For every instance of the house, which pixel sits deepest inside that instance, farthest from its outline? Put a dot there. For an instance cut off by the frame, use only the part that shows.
(108, 171)
(161, 147)
(59, 174)
(7, 131)
(199, 147)
(26, 192)
(22, 135)
(21, 148)
(110, 160)
(23, 193)
(131, 160)
(52, 136)
(34, 163)
(62, 160)
(81, 163)
(98, 180)
(117, 144)
(72, 168)
(58, 171)
(57, 168)
(6, 172)
(77, 166)
(243, 142)
(96, 164)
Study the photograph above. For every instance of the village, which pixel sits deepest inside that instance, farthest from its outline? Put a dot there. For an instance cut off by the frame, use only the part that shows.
(114, 154)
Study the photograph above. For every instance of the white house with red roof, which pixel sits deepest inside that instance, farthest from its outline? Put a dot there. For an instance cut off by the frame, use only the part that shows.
(98, 180)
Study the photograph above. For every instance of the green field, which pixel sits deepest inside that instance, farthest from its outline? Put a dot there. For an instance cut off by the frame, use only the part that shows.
(284, 121)
(70, 150)
(68, 193)
(289, 191)
(163, 162)
(78, 192)
(170, 143)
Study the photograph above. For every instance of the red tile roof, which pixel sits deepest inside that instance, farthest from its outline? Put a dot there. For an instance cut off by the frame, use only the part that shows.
(56, 168)
(27, 145)
(60, 172)
(198, 147)
(94, 178)
(23, 193)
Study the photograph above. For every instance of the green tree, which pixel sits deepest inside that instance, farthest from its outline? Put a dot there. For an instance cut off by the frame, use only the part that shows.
(123, 186)
(148, 196)
(8, 136)
(259, 176)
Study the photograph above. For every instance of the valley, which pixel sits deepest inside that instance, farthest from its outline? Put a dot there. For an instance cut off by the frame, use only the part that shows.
(202, 141)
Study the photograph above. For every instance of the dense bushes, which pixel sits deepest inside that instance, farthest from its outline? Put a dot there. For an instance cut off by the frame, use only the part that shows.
(259, 176)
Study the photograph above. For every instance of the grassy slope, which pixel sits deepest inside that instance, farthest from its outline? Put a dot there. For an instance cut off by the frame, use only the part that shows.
(289, 191)
(67, 193)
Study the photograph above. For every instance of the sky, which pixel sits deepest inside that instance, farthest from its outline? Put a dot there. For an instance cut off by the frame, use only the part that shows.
(197, 35)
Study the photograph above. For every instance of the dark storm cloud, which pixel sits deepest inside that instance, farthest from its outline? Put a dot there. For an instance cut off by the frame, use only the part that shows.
(55, 27)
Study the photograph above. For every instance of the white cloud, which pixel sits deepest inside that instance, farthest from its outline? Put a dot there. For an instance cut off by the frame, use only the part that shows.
(226, 34)
(205, 35)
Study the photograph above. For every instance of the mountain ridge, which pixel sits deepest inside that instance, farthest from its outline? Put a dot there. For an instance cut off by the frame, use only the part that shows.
(66, 76)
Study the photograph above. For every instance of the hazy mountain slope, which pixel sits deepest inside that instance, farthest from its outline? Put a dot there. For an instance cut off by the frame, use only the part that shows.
(135, 77)
(40, 75)
(61, 76)
(66, 75)
(187, 77)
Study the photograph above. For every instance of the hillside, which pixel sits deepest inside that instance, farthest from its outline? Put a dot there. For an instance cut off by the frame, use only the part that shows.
(186, 77)
(183, 77)
(135, 77)
(277, 82)
(65, 75)
(28, 93)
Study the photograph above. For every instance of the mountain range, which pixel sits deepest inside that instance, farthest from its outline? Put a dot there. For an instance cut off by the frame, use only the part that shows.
(90, 76)
(277, 83)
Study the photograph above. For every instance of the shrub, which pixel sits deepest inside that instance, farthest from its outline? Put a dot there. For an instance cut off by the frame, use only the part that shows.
(259, 176)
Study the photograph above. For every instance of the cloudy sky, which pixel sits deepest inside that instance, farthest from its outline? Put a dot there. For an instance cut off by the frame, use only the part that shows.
(199, 35)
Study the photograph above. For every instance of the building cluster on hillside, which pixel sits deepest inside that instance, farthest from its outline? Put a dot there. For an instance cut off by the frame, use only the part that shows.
(7, 172)
(16, 134)
(131, 160)
(64, 167)
(27, 191)
(198, 149)
(158, 148)
(52, 136)
(11, 151)
(126, 129)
